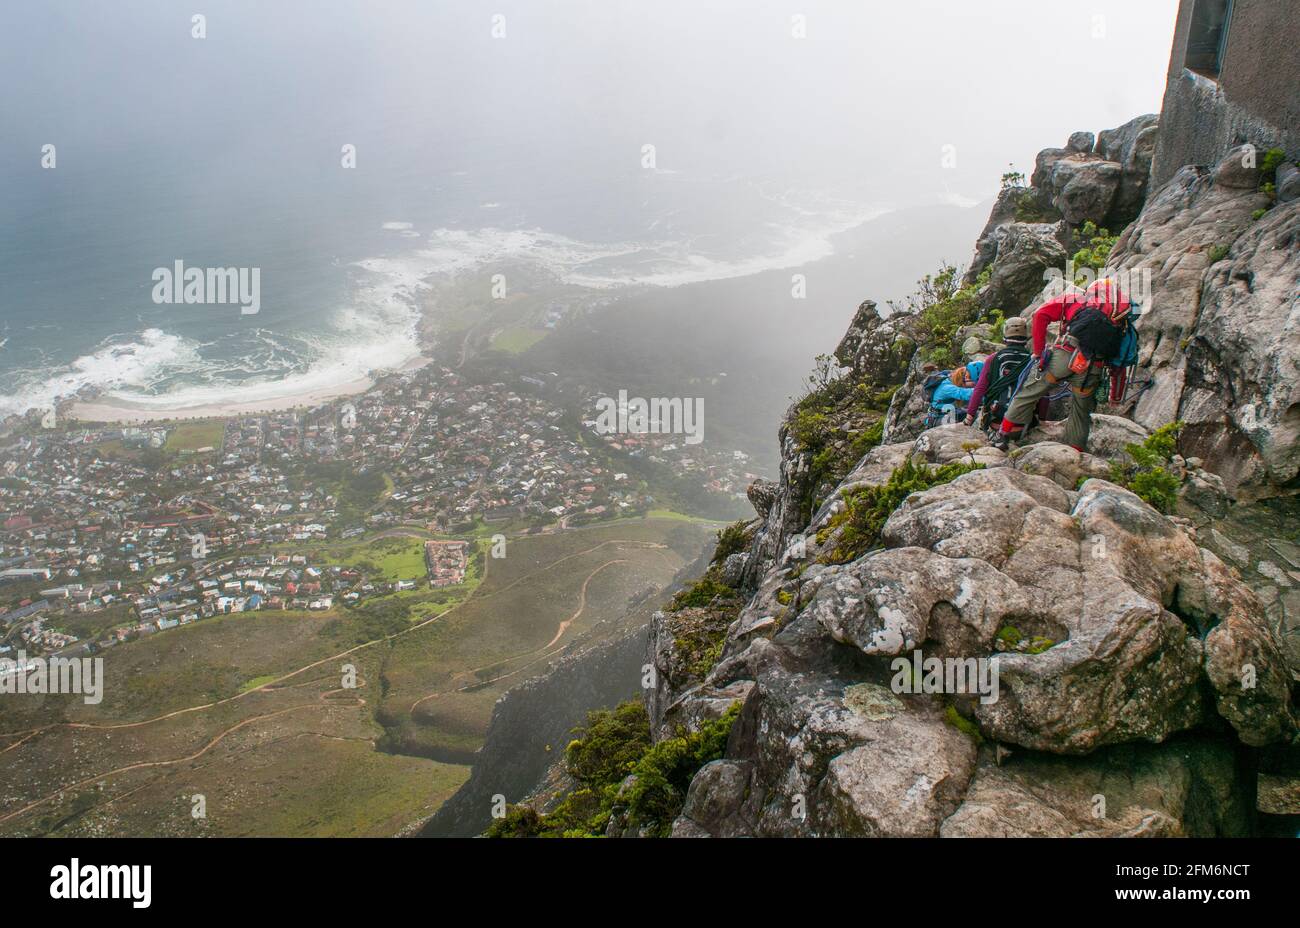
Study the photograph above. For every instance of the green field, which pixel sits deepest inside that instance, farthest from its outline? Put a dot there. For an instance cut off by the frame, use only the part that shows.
(516, 339)
(396, 558)
(190, 436)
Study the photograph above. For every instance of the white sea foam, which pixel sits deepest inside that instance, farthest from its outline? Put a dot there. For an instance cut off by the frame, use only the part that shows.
(120, 364)
(164, 372)
(605, 266)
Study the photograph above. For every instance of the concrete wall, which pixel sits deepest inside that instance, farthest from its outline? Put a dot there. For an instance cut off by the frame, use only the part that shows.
(1256, 97)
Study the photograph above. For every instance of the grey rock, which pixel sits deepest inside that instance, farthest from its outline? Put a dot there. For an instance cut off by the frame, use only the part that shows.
(986, 247)
(1081, 141)
(1025, 253)
(1288, 182)
(762, 493)
(1132, 146)
(1084, 188)
(1186, 789)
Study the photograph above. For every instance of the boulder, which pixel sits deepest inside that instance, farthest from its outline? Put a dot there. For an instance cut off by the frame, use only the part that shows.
(1060, 463)
(1132, 146)
(957, 443)
(1184, 789)
(1081, 141)
(883, 603)
(1107, 439)
(876, 349)
(1288, 183)
(1084, 188)
(1025, 253)
(986, 246)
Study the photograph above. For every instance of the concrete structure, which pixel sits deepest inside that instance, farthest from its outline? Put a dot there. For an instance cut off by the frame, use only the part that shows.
(1234, 77)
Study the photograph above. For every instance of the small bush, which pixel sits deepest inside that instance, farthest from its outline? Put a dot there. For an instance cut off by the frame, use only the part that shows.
(942, 307)
(731, 540)
(1148, 475)
(1273, 159)
(611, 742)
(665, 772)
(1094, 247)
(1028, 210)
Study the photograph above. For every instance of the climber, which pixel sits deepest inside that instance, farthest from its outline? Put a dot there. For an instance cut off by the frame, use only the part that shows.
(1002, 372)
(1094, 329)
(955, 390)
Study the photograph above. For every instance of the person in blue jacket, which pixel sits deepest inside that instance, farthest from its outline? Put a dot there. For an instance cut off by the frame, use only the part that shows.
(956, 391)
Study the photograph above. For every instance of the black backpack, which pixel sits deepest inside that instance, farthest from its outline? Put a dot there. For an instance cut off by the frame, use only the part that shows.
(932, 383)
(1008, 364)
(1099, 339)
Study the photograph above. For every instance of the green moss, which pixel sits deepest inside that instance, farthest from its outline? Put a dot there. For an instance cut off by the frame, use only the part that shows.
(867, 509)
(1013, 639)
(1217, 253)
(698, 642)
(784, 597)
(613, 745)
(1038, 644)
(704, 592)
(963, 724)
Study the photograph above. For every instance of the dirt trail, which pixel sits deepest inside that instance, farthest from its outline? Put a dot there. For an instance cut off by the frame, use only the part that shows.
(544, 651)
(322, 701)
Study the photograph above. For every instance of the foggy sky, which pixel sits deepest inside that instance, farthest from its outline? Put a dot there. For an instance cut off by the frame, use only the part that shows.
(874, 93)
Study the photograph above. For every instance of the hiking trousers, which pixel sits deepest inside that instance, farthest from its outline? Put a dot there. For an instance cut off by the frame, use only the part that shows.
(1040, 382)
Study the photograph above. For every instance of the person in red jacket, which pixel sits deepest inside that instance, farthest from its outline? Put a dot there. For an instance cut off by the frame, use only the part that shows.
(1079, 357)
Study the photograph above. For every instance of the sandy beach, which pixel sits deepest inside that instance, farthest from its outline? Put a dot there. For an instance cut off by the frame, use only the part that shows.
(125, 412)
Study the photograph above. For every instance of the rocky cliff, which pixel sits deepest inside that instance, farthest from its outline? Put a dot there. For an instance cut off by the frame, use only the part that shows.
(928, 636)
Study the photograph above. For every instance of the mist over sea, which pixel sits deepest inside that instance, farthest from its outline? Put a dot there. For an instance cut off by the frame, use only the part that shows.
(223, 166)
(341, 274)
(484, 139)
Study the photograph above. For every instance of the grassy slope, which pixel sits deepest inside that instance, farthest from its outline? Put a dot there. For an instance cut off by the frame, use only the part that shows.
(295, 755)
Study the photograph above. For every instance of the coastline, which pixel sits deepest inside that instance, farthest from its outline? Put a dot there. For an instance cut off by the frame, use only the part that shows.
(109, 409)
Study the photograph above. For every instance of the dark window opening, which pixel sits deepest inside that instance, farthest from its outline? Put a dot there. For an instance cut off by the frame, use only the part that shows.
(1208, 36)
